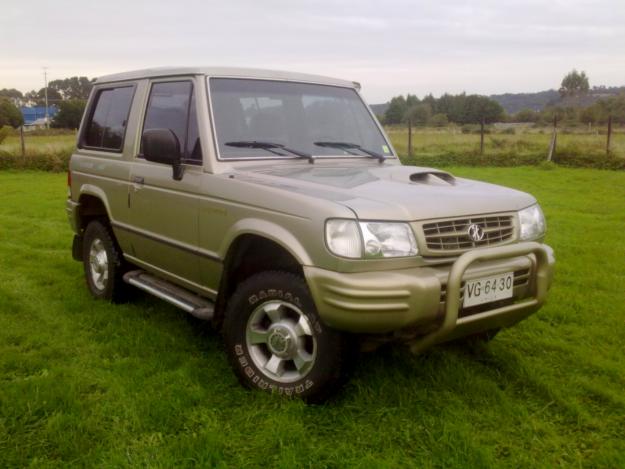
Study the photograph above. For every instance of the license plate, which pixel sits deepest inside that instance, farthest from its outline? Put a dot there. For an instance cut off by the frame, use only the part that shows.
(488, 289)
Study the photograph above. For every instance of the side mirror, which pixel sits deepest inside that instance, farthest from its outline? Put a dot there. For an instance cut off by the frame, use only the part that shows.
(162, 146)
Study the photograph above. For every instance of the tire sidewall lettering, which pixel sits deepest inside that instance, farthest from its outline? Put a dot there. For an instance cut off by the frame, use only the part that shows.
(274, 294)
(259, 381)
(288, 288)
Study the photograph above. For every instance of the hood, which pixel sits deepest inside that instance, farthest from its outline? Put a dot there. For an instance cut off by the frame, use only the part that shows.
(391, 191)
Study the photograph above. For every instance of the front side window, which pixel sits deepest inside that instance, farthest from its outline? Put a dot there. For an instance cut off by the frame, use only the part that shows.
(264, 119)
(107, 124)
(171, 105)
(193, 148)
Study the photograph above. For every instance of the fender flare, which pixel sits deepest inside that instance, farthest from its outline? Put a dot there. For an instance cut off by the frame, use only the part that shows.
(95, 191)
(268, 230)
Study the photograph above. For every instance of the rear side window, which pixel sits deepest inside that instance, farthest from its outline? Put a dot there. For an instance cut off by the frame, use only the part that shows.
(108, 120)
(172, 106)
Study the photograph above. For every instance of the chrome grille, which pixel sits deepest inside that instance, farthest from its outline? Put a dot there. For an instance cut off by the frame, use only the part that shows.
(453, 235)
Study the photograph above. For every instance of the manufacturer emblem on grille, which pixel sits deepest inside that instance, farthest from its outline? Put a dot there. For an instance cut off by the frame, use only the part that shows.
(475, 232)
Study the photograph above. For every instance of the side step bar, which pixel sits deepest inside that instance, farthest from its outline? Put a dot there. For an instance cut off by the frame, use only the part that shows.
(193, 304)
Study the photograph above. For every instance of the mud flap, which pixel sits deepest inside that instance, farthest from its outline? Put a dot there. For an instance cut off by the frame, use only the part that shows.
(77, 248)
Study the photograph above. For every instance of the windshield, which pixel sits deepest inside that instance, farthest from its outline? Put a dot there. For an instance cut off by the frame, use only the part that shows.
(274, 119)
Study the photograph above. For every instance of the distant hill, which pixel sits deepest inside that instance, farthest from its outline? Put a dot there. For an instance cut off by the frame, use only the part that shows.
(515, 102)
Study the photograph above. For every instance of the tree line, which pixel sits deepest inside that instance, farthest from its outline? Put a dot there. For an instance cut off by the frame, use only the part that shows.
(69, 95)
(459, 109)
(474, 109)
(597, 113)
(462, 109)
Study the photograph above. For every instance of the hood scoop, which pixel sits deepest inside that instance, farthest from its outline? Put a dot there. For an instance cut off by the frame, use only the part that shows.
(433, 178)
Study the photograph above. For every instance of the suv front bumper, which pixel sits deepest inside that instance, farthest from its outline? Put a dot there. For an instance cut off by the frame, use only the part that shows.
(386, 301)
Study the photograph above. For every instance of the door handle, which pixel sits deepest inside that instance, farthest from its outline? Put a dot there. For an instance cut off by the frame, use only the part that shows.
(138, 180)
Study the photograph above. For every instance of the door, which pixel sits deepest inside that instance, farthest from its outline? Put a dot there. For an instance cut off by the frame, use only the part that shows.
(164, 211)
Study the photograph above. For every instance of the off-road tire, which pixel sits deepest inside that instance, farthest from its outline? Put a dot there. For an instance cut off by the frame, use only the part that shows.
(114, 289)
(328, 368)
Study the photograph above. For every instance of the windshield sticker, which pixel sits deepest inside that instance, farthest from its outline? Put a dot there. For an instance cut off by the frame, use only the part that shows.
(386, 149)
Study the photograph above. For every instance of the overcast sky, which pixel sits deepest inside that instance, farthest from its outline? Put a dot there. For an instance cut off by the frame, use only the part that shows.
(391, 47)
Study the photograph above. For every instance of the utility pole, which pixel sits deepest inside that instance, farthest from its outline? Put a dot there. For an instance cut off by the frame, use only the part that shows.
(45, 79)
(409, 137)
(482, 136)
(554, 138)
(609, 140)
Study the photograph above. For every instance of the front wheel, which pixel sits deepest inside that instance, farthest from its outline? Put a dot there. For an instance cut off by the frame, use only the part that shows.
(276, 342)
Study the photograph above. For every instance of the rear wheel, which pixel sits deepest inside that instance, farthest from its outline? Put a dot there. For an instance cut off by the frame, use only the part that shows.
(103, 263)
(276, 342)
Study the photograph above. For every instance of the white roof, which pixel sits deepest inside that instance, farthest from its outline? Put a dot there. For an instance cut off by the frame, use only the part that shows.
(224, 72)
(40, 121)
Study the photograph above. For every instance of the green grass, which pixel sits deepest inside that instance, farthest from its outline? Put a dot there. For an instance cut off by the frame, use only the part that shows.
(434, 142)
(575, 148)
(85, 383)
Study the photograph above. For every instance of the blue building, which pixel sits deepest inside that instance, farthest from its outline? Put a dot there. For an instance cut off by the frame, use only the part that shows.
(32, 114)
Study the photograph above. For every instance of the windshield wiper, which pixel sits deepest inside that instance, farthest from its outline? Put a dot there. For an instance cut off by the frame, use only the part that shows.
(271, 147)
(346, 146)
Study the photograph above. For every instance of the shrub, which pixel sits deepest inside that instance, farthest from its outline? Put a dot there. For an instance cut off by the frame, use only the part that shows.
(547, 165)
(565, 156)
(498, 142)
(574, 156)
(70, 114)
(4, 132)
(525, 115)
(439, 120)
(10, 114)
(53, 161)
(474, 129)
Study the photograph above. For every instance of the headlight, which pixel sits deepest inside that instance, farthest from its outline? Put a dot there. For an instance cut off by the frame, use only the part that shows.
(343, 238)
(348, 238)
(532, 223)
(388, 239)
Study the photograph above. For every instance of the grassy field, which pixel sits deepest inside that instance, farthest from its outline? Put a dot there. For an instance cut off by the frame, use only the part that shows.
(39, 143)
(529, 146)
(42, 152)
(432, 142)
(85, 383)
(431, 147)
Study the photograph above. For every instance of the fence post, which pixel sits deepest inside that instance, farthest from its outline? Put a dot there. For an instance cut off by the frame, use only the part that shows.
(409, 138)
(609, 140)
(22, 141)
(482, 136)
(554, 139)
